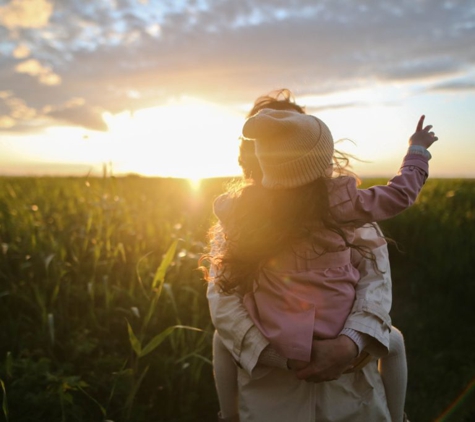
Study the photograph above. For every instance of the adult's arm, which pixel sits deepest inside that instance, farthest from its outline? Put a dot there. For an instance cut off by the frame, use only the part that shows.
(370, 313)
(232, 321)
(236, 329)
(369, 316)
(368, 324)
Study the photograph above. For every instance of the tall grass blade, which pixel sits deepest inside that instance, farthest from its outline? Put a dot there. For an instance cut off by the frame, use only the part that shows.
(137, 272)
(48, 260)
(171, 296)
(134, 341)
(166, 261)
(51, 327)
(195, 355)
(133, 393)
(159, 338)
(9, 365)
(4, 401)
(103, 410)
(159, 279)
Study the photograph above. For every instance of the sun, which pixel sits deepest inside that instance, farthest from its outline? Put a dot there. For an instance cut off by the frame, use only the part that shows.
(187, 138)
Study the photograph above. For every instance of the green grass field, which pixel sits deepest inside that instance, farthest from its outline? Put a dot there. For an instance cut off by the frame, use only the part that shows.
(103, 314)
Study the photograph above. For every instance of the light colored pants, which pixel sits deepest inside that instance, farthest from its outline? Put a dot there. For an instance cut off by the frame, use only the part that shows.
(276, 395)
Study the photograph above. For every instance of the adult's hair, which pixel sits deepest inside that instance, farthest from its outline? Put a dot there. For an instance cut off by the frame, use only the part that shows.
(281, 99)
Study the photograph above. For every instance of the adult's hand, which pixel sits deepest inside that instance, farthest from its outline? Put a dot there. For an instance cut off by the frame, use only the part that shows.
(330, 358)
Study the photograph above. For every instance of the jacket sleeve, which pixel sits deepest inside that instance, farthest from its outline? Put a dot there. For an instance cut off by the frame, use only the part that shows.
(369, 316)
(378, 203)
(232, 321)
(236, 329)
(370, 312)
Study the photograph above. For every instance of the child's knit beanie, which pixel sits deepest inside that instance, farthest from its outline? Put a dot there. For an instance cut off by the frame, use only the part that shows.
(293, 149)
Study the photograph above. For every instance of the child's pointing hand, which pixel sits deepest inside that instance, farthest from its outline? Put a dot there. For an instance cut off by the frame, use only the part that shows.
(423, 136)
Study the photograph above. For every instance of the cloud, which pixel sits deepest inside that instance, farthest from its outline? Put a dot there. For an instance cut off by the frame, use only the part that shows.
(14, 110)
(34, 68)
(77, 113)
(17, 116)
(6, 122)
(21, 51)
(26, 14)
(312, 109)
(224, 51)
(455, 86)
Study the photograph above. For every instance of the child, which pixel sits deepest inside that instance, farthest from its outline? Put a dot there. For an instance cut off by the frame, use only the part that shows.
(288, 241)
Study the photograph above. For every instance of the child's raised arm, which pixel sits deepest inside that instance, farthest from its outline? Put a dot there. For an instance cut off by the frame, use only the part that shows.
(379, 203)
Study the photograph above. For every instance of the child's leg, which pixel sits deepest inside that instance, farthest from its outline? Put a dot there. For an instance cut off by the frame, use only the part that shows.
(393, 369)
(225, 377)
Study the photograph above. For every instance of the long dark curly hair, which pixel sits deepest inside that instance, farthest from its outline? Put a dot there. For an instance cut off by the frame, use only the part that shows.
(265, 221)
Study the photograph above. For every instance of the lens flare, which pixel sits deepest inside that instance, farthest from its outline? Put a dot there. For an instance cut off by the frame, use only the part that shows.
(469, 389)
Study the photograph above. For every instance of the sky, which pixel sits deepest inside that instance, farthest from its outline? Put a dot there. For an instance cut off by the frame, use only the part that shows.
(161, 87)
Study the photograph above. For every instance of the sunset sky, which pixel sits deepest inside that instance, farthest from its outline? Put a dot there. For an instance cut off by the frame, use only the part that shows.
(161, 87)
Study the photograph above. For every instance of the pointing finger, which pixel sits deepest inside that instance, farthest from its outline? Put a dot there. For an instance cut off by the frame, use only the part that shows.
(420, 123)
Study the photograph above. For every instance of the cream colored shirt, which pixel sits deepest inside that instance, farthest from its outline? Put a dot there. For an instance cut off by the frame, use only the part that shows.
(369, 315)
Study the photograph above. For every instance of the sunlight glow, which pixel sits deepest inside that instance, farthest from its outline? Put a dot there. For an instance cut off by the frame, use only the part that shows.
(194, 139)
(378, 130)
(195, 183)
(187, 138)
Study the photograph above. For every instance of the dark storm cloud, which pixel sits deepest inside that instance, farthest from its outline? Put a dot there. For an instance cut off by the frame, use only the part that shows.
(125, 54)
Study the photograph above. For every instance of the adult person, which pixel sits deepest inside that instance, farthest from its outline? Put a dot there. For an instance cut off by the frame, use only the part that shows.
(307, 398)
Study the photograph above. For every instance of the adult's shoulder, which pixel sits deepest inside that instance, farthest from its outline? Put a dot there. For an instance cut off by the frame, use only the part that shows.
(371, 235)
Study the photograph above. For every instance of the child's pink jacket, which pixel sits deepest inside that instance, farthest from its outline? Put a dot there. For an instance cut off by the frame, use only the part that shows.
(305, 293)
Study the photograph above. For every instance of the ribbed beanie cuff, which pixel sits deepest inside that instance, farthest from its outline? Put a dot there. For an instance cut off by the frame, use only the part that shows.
(293, 149)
